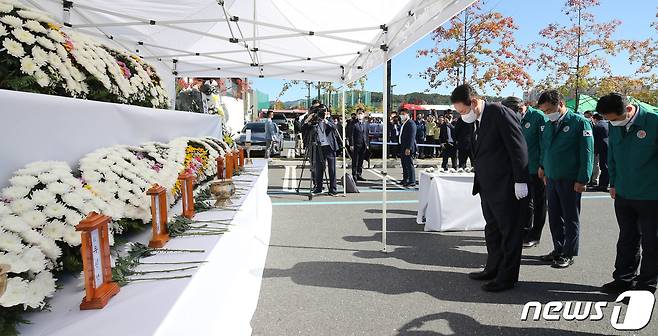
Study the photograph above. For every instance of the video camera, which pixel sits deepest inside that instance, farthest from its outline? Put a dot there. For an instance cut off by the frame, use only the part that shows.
(316, 114)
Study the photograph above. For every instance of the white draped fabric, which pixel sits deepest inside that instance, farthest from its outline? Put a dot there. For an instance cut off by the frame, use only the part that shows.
(219, 299)
(35, 127)
(337, 40)
(446, 203)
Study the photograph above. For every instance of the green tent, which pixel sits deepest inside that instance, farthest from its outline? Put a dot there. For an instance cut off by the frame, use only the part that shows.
(643, 104)
(585, 103)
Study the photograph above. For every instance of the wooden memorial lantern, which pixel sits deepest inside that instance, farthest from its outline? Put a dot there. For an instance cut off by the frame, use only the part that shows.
(187, 184)
(241, 155)
(220, 168)
(160, 235)
(229, 166)
(236, 160)
(95, 250)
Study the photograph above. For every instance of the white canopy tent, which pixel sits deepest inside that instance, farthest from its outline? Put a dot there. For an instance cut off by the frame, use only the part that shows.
(337, 41)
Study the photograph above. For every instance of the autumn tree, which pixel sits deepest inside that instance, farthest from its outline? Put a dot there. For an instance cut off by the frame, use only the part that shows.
(645, 51)
(572, 53)
(477, 46)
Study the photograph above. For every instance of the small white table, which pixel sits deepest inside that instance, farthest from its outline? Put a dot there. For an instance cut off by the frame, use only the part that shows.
(446, 203)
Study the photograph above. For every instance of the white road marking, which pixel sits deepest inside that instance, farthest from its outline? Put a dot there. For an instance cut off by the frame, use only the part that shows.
(293, 175)
(286, 178)
(390, 178)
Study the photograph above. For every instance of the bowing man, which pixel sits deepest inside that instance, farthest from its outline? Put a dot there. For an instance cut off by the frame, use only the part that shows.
(501, 178)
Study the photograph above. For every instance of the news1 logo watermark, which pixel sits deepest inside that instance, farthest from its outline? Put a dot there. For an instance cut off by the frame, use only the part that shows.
(637, 316)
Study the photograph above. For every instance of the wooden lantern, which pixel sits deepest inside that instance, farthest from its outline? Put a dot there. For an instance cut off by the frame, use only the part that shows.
(236, 160)
(229, 166)
(241, 153)
(220, 168)
(187, 184)
(160, 235)
(95, 251)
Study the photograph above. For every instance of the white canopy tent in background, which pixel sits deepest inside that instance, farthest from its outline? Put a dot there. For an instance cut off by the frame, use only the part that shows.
(337, 41)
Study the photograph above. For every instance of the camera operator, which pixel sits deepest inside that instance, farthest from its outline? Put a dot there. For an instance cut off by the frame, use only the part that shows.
(323, 146)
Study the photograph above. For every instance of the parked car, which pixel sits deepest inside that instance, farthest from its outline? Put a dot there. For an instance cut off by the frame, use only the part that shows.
(284, 124)
(258, 143)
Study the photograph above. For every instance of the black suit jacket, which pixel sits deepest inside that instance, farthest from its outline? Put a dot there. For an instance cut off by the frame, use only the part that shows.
(443, 136)
(408, 136)
(463, 134)
(500, 153)
(359, 136)
(600, 129)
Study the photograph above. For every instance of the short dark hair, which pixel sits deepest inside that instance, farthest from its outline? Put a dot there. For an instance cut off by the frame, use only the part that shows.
(315, 101)
(552, 97)
(403, 110)
(270, 112)
(360, 110)
(597, 116)
(463, 94)
(513, 103)
(353, 114)
(612, 103)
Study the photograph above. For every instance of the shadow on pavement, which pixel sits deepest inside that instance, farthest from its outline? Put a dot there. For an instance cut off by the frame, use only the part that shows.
(449, 286)
(461, 324)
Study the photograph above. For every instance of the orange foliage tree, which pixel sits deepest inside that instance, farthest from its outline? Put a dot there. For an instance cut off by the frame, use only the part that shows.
(572, 53)
(477, 46)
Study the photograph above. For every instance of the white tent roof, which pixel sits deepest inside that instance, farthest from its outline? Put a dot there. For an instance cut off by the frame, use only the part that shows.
(338, 40)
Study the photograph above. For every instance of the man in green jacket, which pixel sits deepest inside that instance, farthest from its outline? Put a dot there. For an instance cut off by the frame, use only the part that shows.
(533, 122)
(566, 165)
(633, 167)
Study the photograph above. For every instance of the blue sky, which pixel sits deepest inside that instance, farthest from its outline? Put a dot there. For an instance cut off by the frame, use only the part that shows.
(530, 16)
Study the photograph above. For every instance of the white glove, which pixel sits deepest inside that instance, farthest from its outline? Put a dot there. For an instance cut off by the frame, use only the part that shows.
(520, 190)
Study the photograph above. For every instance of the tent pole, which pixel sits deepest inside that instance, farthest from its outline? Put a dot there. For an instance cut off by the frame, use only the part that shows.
(385, 98)
(342, 108)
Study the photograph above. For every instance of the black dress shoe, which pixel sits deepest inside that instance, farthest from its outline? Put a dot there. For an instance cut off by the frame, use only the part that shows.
(651, 289)
(549, 257)
(482, 275)
(531, 243)
(562, 262)
(616, 287)
(494, 287)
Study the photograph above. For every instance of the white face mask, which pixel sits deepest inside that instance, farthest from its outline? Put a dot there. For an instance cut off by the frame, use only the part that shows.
(470, 117)
(361, 117)
(620, 122)
(404, 117)
(553, 116)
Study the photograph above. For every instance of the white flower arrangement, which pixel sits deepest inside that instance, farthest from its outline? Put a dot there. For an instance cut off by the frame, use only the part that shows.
(120, 177)
(41, 207)
(84, 69)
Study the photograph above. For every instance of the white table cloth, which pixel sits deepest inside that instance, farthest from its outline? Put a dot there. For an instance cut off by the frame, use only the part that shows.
(445, 203)
(219, 299)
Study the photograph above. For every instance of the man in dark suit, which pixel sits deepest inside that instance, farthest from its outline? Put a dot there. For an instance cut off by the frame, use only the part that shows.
(421, 133)
(325, 151)
(501, 179)
(448, 140)
(407, 148)
(600, 128)
(359, 144)
(464, 135)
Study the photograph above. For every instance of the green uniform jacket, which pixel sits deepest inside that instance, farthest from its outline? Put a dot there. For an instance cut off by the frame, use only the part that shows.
(568, 152)
(532, 125)
(633, 157)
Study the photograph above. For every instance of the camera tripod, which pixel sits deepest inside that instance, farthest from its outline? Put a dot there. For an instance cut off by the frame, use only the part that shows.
(312, 148)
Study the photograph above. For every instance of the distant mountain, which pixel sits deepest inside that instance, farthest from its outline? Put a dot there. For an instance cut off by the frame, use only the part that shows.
(418, 98)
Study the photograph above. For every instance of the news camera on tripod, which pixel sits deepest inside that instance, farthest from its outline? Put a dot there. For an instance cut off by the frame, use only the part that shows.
(321, 146)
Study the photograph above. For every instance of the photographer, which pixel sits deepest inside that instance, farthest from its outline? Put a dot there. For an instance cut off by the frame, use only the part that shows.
(323, 146)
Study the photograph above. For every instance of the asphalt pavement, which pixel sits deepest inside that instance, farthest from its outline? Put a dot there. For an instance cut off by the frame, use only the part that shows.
(326, 275)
